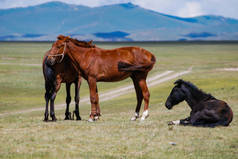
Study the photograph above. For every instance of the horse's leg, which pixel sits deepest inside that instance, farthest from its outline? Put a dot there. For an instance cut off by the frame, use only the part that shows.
(146, 97)
(196, 118)
(52, 99)
(93, 98)
(77, 97)
(139, 97)
(46, 106)
(185, 121)
(47, 98)
(98, 111)
(52, 109)
(207, 118)
(68, 100)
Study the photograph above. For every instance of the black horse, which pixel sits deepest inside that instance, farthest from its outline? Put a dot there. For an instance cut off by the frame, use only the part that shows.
(207, 111)
(54, 76)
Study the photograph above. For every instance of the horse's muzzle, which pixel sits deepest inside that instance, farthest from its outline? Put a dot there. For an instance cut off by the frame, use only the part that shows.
(168, 105)
(50, 61)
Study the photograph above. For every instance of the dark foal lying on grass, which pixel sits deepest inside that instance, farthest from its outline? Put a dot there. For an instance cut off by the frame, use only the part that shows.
(206, 111)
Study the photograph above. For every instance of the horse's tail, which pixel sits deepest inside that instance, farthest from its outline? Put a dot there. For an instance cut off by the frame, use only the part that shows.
(123, 66)
(229, 116)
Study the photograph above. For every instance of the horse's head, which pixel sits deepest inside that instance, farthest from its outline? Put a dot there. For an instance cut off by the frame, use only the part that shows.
(58, 50)
(177, 94)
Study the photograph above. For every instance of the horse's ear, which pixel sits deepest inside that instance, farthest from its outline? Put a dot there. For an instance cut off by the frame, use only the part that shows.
(178, 82)
(91, 43)
(61, 37)
(67, 38)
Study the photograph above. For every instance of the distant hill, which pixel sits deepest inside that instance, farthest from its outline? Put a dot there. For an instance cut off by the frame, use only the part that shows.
(119, 22)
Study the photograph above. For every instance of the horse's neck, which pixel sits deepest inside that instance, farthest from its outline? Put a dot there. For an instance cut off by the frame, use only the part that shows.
(76, 52)
(193, 97)
(191, 102)
(75, 55)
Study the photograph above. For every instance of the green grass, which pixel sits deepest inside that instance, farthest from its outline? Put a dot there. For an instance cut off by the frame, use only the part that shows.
(25, 135)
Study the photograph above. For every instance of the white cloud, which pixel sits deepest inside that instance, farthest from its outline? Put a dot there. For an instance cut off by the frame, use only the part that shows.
(25, 3)
(190, 9)
(184, 8)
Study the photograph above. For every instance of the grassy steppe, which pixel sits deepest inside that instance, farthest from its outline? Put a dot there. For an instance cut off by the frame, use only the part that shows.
(114, 136)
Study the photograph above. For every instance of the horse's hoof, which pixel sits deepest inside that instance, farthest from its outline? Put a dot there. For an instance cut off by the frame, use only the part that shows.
(176, 122)
(144, 115)
(170, 123)
(135, 117)
(46, 117)
(45, 120)
(90, 120)
(68, 116)
(78, 118)
(96, 118)
(54, 119)
(143, 118)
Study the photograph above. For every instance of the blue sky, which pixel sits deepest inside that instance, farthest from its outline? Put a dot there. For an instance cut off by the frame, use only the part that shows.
(182, 8)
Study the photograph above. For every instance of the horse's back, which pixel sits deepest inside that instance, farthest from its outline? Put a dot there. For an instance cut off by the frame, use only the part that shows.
(220, 109)
(134, 59)
(142, 60)
(116, 64)
(140, 54)
(137, 53)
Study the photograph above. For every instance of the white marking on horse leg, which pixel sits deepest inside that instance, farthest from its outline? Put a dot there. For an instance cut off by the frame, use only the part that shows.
(135, 116)
(144, 115)
(90, 120)
(176, 122)
(186, 122)
(96, 117)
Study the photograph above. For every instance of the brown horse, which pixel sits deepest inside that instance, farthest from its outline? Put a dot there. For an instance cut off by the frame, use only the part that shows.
(96, 64)
(57, 73)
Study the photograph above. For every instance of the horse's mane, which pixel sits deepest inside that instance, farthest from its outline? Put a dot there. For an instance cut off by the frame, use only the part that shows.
(83, 43)
(77, 42)
(194, 90)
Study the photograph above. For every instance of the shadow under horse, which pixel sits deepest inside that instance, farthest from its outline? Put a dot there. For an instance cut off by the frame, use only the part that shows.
(96, 64)
(57, 73)
(207, 111)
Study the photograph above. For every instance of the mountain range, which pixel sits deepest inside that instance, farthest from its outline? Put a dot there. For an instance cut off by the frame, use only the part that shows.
(118, 22)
